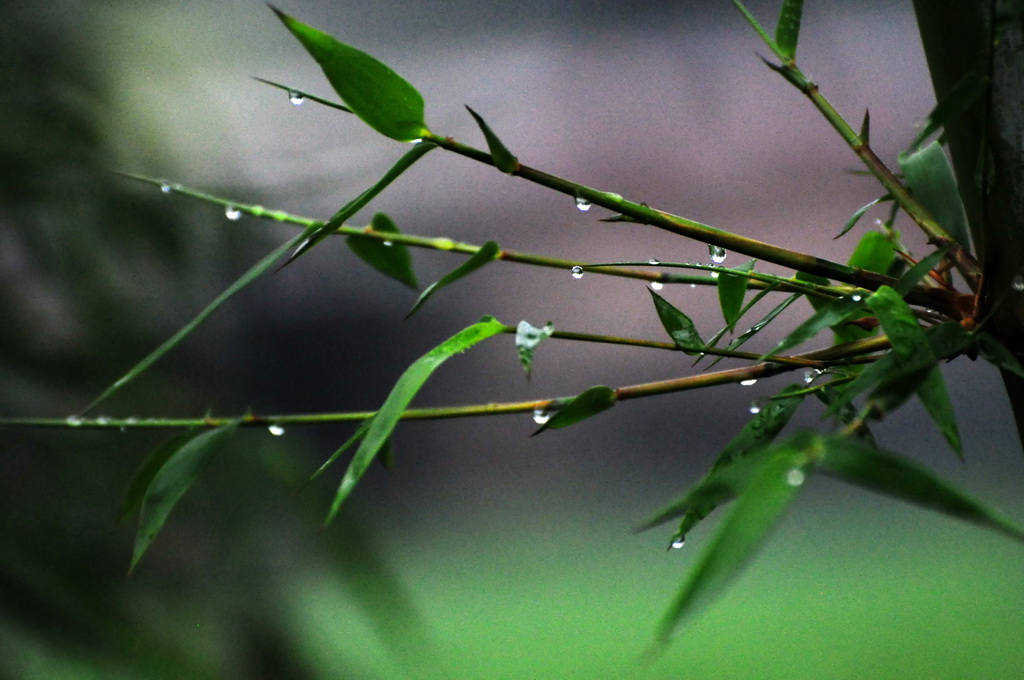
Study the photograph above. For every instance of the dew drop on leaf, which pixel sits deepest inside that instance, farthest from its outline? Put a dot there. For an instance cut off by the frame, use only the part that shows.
(583, 204)
(165, 187)
(856, 297)
(276, 430)
(232, 213)
(755, 407)
(717, 254)
(541, 416)
(1018, 283)
(811, 374)
(73, 421)
(678, 543)
(795, 477)
(577, 272)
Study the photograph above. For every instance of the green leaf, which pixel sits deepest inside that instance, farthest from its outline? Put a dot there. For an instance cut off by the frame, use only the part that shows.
(587, 403)
(330, 227)
(958, 100)
(356, 436)
(757, 327)
(916, 365)
(172, 480)
(865, 131)
(998, 355)
(172, 342)
(859, 213)
(787, 31)
(390, 259)
(756, 511)
(383, 423)
(731, 290)
(488, 253)
(865, 466)
(380, 97)
(838, 311)
(874, 252)
(678, 326)
(756, 26)
(527, 339)
(930, 178)
(912, 276)
(502, 157)
(143, 477)
(756, 435)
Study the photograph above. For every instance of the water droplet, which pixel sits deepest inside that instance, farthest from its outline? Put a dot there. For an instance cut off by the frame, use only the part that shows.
(693, 285)
(296, 97)
(103, 420)
(577, 272)
(856, 297)
(416, 141)
(165, 187)
(714, 275)
(582, 203)
(717, 253)
(1018, 283)
(541, 416)
(232, 213)
(388, 243)
(73, 421)
(654, 262)
(755, 407)
(276, 430)
(657, 285)
(748, 383)
(678, 542)
(795, 477)
(811, 374)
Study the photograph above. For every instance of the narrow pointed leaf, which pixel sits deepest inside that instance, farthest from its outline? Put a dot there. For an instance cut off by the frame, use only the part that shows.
(488, 253)
(757, 327)
(143, 477)
(356, 436)
(731, 290)
(756, 511)
(863, 465)
(855, 218)
(390, 259)
(935, 397)
(587, 403)
(359, 202)
(383, 423)
(172, 480)
(755, 436)
(897, 318)
(527, 339)
(963, 95)
(998, 355)
(839, 310)
(380, 97)
(502, 157)
(912, 276)
(756, 26)
(678, 326)
(243, 281)
(931, 180)
(787, 31)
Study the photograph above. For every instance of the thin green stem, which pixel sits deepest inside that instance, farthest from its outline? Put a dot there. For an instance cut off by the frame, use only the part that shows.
(853, 352)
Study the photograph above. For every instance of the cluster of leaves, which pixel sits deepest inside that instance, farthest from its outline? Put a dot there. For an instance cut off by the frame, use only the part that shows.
(924, 320)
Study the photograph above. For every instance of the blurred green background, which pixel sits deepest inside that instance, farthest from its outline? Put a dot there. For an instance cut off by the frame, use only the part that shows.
(486, 554)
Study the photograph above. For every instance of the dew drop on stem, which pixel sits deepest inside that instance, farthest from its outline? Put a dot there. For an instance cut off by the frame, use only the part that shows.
(73, 421)
(582, 203)
(678, 542)
(232, 213)
(657, 285)
(717, 253)
(165, 187)
(654, 262)
(296, 97)
(748, 382)
(541, 416)
(276, 430)
(577, 272)
(755, 407)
